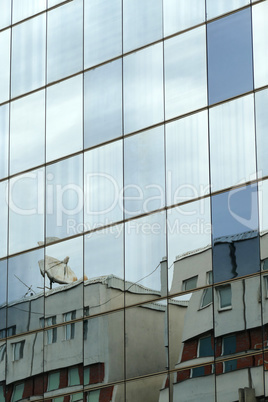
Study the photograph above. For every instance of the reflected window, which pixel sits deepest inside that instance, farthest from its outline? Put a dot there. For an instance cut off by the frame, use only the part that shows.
(51, 333)
(73, 376)
(198, 372)
(190, 283)
(225, 297)
(70, 328)
(207, 293)
(8, 331)
(205, 347)
(53, 381)
(18, 392)
(2, 352)
(229, 365)
(86, 375)
(230, 70)
(18, 348)
(228, 345)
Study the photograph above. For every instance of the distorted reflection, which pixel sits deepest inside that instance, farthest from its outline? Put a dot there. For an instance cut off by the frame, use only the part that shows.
(141, 358)
(25, 292)
(145, 259)
(235, 233)
(104, 268)
(189, 246)
(104, 355)
(24, 368)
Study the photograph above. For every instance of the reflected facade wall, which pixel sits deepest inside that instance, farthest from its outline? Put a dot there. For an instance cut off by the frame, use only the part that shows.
(133, 194)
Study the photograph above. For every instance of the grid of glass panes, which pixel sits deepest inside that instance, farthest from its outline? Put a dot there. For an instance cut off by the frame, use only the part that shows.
(128, 130)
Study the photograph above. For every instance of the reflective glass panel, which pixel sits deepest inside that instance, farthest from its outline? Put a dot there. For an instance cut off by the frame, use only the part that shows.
(25, 8)
(25, 360)
(185, 72)
(4, 129)
(103, 31)
(4, 65)
(5, 16)
(26, 213)
(235, 236)
(232, 143)
(261, 105)
(103, 185)
(142, 23)
(64, 46)
(27, 134)
(104, 271)
(145, 258)
(215, 8)
(28, 55)
(260, 45)
(143, 88)
(144, 186)
(64, 198)
(103, 103)
(179, 15)
(104, 355)
(230, 70)
(63, 265)
(189, 244)
(25, 292)
(187, 163)
(3, 217)
(140, 355)
(64, 124)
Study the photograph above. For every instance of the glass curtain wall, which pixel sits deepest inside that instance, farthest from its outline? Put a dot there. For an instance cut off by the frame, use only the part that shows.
(133, 200)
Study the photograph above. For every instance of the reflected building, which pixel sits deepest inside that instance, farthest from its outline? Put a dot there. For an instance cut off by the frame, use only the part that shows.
(133, 193)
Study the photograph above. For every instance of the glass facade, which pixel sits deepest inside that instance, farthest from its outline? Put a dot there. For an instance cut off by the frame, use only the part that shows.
(133, 200)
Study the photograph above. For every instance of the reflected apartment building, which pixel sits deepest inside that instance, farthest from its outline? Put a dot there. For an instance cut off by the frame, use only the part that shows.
(133, 194)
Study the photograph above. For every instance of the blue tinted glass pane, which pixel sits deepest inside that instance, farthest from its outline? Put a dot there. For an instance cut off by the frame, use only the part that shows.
(235, 238)
(230, 56)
